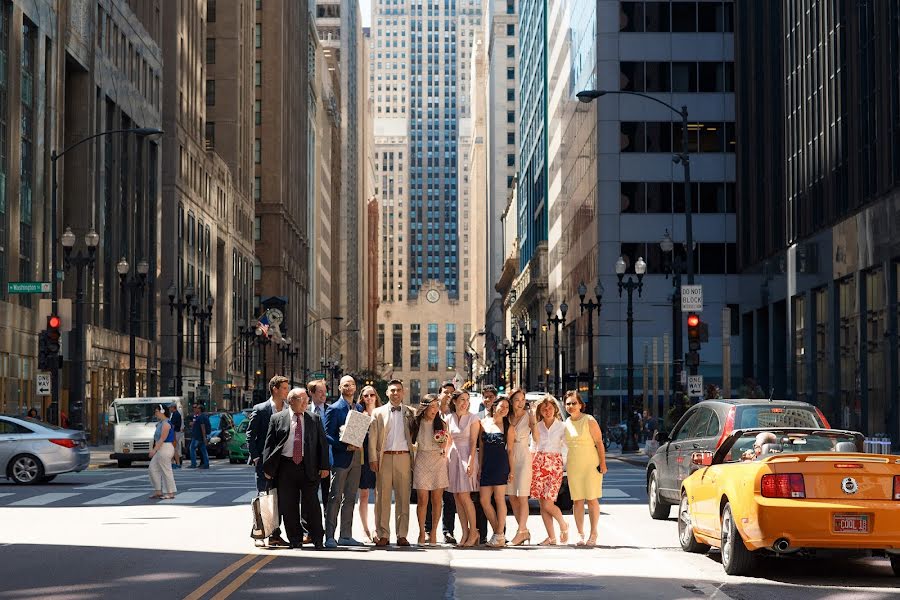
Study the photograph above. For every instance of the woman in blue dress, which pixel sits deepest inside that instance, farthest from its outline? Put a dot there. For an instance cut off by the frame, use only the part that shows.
(496, 444)
(368, 402)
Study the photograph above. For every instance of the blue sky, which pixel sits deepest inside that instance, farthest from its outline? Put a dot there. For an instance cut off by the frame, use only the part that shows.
(365, 7)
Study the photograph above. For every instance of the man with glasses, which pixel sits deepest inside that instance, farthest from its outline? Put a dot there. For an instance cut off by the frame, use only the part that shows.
(345, 464)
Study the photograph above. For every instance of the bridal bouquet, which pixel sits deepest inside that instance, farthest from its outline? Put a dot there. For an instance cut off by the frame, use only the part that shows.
(440, 438)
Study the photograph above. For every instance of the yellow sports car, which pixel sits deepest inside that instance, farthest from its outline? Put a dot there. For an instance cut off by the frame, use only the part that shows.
(789, 491)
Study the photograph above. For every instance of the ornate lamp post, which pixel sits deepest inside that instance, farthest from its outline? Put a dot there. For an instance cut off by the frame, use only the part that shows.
(590, 306)
(203, 318)
(292, 354)
(262, 341)
(80, 261)
(179, 304)
(510, 348)
(630, 285)
(556, 322)
(247, 334)
(135, 285)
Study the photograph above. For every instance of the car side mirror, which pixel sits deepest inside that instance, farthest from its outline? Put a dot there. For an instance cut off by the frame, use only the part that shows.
(111, 414)
(701, 459)
(662, 437)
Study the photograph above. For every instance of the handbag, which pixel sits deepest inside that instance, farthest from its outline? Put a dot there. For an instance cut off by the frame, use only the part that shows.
(265, 515)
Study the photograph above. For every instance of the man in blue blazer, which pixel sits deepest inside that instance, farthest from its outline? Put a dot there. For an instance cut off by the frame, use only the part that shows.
(345, 469)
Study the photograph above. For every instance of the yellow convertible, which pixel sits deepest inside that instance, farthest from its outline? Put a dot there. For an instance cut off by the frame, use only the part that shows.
(787, 491)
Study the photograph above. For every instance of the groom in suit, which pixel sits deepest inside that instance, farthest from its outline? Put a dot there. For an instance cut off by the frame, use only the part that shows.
(296, 458)
(390, 453)
(345, 462)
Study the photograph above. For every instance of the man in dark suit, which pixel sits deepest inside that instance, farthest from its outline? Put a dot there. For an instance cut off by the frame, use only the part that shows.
(256, 438)
(296, 458)
(345, 462)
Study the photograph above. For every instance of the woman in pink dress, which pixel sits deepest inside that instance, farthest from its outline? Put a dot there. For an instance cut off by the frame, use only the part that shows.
(463, 467)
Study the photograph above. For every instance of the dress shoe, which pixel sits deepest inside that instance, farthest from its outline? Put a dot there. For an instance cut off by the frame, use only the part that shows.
(319, 546)
(449, 539)
(381, 542)
(403, 542)
(331, 543)
(277, 542)
(297, 546)
(348, 541)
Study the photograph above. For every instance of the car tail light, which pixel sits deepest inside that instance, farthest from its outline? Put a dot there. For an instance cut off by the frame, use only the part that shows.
(785, 485)
(65, 443)
(824, 420)
(896, 487)
(729, 426)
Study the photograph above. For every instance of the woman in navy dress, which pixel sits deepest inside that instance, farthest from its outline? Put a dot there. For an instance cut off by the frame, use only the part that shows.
(496, 443)
(369, 401)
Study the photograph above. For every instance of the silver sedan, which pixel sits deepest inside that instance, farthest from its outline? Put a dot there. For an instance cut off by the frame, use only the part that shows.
(32, 451)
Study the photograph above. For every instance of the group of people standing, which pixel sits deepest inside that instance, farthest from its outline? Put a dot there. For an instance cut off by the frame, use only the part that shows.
(461, 463)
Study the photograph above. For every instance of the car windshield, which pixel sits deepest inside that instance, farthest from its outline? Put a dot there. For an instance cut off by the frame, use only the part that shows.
(136, 413)
(765, 416)
(242, 428)
(756, 445)
(214, 421)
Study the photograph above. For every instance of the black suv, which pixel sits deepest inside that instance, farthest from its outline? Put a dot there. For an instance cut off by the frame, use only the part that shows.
(703, 427)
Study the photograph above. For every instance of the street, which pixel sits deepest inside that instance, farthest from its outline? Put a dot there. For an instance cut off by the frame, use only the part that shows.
(95, 535)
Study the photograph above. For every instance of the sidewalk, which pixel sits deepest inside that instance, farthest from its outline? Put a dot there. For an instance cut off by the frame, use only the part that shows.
(100, 457)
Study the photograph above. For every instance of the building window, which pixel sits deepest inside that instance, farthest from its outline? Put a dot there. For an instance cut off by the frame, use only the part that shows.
(510, 51)
(433, 386)
(26, 237)
(257, 36)
(451, 345)
(432, 347)
(380, 342)
(511, 138)
(210, 135)
(848, 337)
(397, 349)
(210, 92)
(257, 228)
(510, 95)
(257, 151)
(510, 160)
(210, 11)
(210, 51)
(415, 341)
(415, 391)
(878, 379)
(801, 392)
(510, 73)
(257, 112)
(510, 116)
(510, 7)
(510, 29)
(257, 74)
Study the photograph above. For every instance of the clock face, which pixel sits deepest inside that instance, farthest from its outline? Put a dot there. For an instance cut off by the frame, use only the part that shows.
(433, 296)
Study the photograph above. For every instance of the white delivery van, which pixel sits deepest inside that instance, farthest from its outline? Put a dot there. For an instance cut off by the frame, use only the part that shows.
(133, 423)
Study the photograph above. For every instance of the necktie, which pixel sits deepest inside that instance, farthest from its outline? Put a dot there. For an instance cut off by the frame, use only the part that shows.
(298, 441)
(395, 409)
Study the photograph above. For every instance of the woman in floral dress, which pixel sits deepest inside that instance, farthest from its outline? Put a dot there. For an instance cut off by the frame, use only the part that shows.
(547, 467)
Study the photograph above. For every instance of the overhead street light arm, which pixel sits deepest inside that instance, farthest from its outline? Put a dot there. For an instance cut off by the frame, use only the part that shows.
(589, 95)
(140, 131)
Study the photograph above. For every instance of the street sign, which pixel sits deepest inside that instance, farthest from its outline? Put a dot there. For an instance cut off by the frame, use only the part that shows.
(202, 394)
(248, 397)
(28, 287)
(695, 386)
(43, 384)
(318, 375)
(692, 298)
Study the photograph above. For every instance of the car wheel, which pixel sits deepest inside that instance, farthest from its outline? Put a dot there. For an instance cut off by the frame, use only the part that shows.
(26, 469)
(47, 478)
(736, 559)
(686, 530)
(659, 509)
(123, 464)
(895, 563)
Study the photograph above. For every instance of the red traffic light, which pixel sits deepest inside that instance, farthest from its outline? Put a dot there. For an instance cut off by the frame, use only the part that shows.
(693, 320)
(53, 322)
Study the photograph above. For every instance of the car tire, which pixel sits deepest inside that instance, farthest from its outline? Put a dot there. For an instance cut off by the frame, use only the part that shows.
(659, 508)
(47, 478)
(686, 530)
(123, 464)
(895, 563)
(25, 469)
(736, 558)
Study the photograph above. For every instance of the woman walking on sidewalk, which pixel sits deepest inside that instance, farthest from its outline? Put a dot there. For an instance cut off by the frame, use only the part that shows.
(161, 476)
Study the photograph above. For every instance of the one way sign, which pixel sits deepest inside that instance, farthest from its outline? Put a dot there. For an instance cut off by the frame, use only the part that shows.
(43, 384)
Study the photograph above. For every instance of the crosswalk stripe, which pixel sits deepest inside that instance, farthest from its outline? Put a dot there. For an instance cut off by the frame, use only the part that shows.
(187, 498)
(111, 483)
(614, 493)
(118, 498)
(42, 499)
(8, 494)
(245, 498)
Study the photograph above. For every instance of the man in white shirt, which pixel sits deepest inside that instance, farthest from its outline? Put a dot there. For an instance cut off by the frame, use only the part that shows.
(390, 453)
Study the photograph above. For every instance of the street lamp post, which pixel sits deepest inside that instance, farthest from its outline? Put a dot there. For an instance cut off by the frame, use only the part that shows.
(293, 353)
(527, 333)
(590, 306)
(203, 317)
(54, 266)
(511, 361)
(135, 286)
(247, 335)
(675, 266)
(557, 322)
(80, 261)
(630, 285)
(262, 341)
(182, 304)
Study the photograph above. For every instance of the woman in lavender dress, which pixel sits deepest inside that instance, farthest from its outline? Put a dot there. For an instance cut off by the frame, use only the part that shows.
(463, 464)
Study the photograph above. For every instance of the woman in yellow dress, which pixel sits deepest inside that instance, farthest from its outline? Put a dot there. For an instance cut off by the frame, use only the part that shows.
(586, 466)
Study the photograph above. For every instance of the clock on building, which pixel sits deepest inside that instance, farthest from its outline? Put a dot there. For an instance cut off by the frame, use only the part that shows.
(433, 296)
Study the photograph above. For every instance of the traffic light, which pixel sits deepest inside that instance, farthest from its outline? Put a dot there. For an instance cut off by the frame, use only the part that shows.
(693, 322)
(53, 334)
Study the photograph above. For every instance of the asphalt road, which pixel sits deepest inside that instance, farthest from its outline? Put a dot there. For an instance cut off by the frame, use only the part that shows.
(98, 536)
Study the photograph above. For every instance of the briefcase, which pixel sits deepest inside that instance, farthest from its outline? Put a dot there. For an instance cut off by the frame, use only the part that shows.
(265, 515)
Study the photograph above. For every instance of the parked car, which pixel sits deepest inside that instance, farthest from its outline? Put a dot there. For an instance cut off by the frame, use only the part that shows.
(801, 491)
(238, 448)
(703, 428)
(32, 451)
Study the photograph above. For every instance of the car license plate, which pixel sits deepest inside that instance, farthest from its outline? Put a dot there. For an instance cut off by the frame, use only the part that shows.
(851, 523)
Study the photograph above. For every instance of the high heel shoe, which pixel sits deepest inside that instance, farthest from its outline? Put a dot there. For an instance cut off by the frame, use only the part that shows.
(497, 541)
(564, 535)
(522, 537)
(580, 541)
(548, 542)
(591, 541)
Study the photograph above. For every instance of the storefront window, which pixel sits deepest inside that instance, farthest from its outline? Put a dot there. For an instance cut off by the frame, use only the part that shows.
(875, 328)
(850, 407)
(824, 396)
(800, 370)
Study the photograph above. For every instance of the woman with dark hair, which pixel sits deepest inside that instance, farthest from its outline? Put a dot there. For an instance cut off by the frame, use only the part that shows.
(368, 402)
(496, 445)
(33, 414)
(547, 469)
(586, 465)
(523, 421)
(463, 427)
(161, 476)
(430, 472)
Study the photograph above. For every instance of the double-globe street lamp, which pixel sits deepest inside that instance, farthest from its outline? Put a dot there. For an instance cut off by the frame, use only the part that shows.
(630, 285)
(590, 306)
(527, 333)
(141, 132)
(247, 334)
(179, 303)
(135, 285)
(557, 322)
(203, 318)
(81, 261)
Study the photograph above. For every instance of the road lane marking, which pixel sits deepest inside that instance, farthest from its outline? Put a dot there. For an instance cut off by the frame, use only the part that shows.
(7, 494)
(43, 499)
(243, 577)
(118, 498)
(614, 493)
(187, 498)
(219, 577)
(111, 482)
(249, 496)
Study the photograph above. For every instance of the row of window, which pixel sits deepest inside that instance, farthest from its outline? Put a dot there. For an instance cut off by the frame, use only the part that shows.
(677, 17)
(703, 77)
(710, 258)
(666, 136)
(668, 197)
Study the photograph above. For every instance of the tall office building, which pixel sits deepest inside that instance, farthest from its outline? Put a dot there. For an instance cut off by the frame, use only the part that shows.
(417, 80)
(819, 211)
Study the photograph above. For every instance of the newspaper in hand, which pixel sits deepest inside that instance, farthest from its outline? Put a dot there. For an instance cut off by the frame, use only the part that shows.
(353, 432)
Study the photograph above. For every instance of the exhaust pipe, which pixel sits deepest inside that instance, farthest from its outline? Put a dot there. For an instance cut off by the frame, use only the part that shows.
(781, 545)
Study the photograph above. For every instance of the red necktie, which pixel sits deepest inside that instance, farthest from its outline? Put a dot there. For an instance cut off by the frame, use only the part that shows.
(298, 440)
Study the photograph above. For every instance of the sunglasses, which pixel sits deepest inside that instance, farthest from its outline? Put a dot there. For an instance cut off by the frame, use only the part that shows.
(367, 395)
(572, 404)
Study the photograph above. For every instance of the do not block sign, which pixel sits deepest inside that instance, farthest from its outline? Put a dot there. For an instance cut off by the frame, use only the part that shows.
(692, 298)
